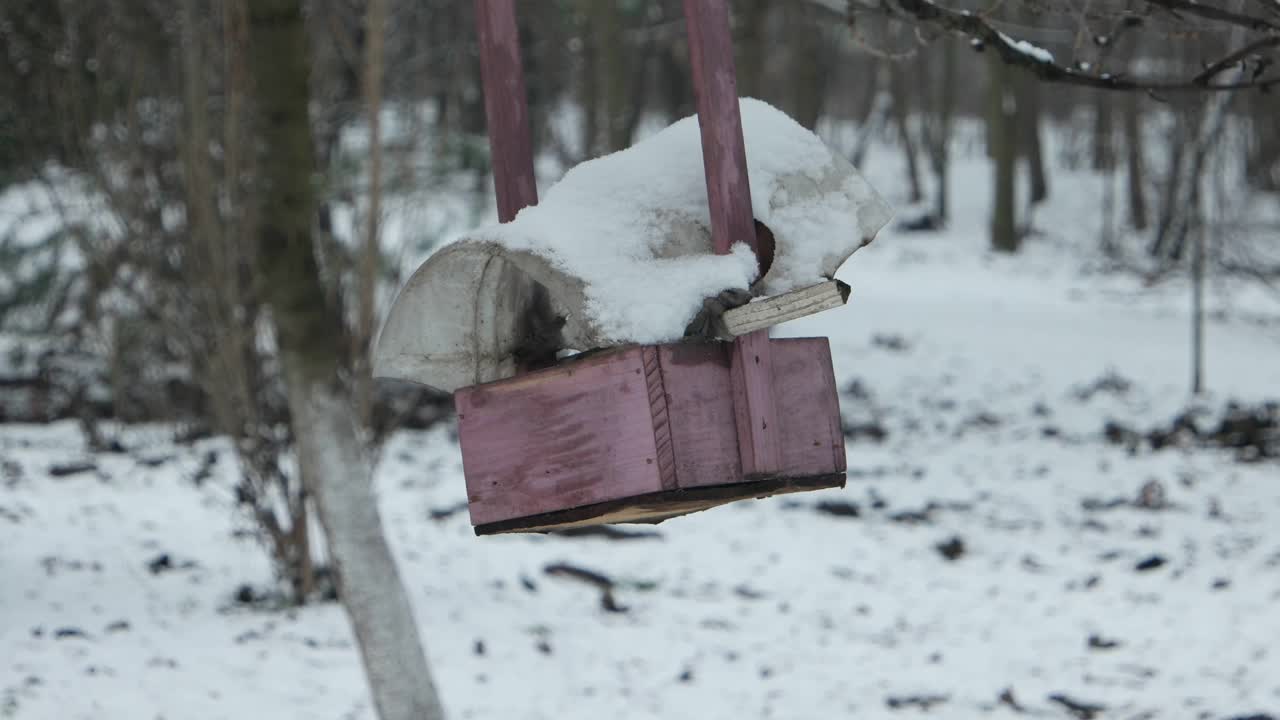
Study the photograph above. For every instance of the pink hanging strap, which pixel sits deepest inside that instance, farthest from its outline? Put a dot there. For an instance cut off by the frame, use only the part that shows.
(506, 107)
(729, 196)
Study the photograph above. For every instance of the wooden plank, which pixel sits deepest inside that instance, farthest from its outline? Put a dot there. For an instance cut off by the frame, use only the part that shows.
(664, 444)
(787, 306)
(704, 433)
(657, 507)
(754, 410)
(576, 434)
(506, 107)
(729, 197)
(697, 380)
(804, 384)
(638, 434)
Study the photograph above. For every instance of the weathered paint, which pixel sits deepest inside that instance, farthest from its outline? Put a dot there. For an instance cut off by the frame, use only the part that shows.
(637, 421)
(724, 156)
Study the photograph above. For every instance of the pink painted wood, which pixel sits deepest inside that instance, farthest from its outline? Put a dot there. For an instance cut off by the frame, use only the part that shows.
(636, 421)
(559, 438)
(755, 411)
(724, 154)
(729, 196)
(698, 383)
(506, 107)
(804, 383)
(644, 433)
(699, 393)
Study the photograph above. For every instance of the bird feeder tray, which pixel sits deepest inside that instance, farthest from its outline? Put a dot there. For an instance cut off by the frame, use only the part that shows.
(632, 431)
(641, 434)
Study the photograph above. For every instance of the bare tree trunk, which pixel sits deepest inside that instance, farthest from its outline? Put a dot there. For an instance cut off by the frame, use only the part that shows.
(1197, 310)
(1134, 152)
(634, 100)
(1183, 212)
(1169, 201)
(1103, 150)
(611, 73)
(1002, 146)
(874, 105)
(375, 21)
(225, 305)
(1029, 121)
(331, 451)
(676, 92)
(589, 97)
(901, 109)
(1262, 152)
(808, 63)
(607, 104)
(752, 47)
(1110, 247)
(938, 125)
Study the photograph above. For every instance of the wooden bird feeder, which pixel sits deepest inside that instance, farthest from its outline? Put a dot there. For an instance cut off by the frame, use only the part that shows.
(643, 433)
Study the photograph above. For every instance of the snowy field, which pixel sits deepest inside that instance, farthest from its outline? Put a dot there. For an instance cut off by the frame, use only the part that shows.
(992, 556)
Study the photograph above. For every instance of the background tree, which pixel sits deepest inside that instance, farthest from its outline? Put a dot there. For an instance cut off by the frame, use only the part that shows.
(331, 450)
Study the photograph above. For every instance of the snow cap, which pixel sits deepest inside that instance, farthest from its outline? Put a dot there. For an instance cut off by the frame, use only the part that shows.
(620, 248)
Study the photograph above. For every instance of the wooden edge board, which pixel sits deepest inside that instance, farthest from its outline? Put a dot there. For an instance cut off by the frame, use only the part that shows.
(787, 306)
(653, 508)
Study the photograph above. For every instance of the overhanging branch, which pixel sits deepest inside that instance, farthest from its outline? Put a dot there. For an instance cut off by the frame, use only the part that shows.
(982, 35)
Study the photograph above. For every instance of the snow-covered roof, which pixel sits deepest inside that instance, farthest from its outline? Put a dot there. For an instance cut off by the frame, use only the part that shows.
(608, 222)
(622, 244)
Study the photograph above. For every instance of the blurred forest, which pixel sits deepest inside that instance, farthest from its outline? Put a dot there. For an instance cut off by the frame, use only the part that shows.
(142, 111)
(130, 288)
(132, 163)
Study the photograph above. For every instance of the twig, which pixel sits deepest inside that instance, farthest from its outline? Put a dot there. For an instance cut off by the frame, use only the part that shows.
(981, 33)
(1230, 60)
(1209, 12)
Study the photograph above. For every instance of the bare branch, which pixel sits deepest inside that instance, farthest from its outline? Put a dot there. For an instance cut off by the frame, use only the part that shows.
(1209, 12)
(1229, 61)
(983, 35)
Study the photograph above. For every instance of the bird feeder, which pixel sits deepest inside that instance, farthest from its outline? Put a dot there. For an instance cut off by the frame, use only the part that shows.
(636, 432)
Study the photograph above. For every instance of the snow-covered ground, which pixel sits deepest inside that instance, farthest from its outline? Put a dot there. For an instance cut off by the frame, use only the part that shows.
(998, 565)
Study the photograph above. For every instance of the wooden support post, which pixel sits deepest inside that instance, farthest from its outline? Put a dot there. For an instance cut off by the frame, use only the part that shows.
(506, 107)
(729, 195)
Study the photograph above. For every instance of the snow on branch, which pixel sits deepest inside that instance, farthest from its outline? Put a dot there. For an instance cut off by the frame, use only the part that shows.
(982, 35)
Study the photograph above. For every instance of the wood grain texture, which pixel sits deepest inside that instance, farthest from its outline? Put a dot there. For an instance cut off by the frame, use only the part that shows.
(755, 413)
(724, 157)
(808, 403)
(699, 399)
(661, 417)
(616, 431)
(506, 107)
(657, 507)
(788, 306)
(572, 435)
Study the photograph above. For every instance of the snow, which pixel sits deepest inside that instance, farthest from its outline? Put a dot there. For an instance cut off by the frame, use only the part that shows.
(604, 222)
(763, 609)
(1034, 51)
